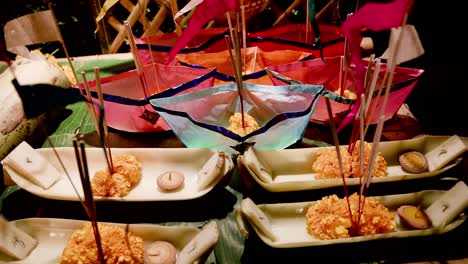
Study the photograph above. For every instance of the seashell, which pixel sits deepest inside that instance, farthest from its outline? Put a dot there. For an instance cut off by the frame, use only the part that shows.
(161, 252)
(413, 162)
(170, 181)
(413, 217)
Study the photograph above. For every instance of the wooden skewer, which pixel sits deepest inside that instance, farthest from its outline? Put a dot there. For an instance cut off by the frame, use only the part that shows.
(138, 65)
(240, 76)
(347, 61)
(340, 74)
(389, 73)
(244, 34)
(307, 22)
(104, 123)
(174, 9)
(236, 64)
(367, 78)
(62, 43)
(231, 29)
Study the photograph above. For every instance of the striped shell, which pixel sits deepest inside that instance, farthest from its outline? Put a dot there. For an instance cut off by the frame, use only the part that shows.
(413, 162)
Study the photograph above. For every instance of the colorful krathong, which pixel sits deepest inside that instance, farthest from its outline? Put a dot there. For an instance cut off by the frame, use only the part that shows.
(286, 37)
(256, 60)
(201, 119)
(126, 100)
(320, 73)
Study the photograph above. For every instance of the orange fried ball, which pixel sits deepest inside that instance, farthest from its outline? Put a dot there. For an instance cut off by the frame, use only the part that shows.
(118, 246)
(127, 173)
(235, 124)
(329, 217)
(327, 166)
(380, 166)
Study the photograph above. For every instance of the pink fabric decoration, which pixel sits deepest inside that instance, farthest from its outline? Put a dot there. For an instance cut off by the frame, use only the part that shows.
(375, 17)
(204, 12)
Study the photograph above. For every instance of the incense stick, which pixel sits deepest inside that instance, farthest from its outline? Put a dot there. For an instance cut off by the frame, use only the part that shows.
(80, 153)
(362, 114)
(44, 130)
(370, 165)
(91, 109)
(106, 131)
(340, 161)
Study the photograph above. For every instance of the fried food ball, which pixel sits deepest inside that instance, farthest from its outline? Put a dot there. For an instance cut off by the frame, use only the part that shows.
(380, 165)
(99, 183)
(127, 173)
(119, 185)
(118, 246)
(128, 166)
(329, 217)
(326, 166)
(235, 124)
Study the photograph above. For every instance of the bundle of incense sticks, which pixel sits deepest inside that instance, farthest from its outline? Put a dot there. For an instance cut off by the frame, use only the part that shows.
(90, 208)
(366, 177)
(237, 62)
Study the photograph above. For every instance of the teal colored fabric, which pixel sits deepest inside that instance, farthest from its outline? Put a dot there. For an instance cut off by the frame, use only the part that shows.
(200, 119)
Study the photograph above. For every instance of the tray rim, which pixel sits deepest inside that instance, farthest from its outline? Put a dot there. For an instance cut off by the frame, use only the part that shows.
(37, 224)
(392, 235)
(36, 190)
(314, 184)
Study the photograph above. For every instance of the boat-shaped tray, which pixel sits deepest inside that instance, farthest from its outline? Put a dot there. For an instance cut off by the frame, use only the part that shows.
(288, 221)
(292, 168)
(155, 161)
(52, 235)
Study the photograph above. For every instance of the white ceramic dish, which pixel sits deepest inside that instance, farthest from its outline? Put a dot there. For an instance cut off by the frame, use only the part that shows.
(53, 234)
(155, 161)
(292, 168)
(288, 222)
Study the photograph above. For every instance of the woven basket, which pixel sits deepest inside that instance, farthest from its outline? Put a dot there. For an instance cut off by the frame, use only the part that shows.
(142, 23)
(113, 32)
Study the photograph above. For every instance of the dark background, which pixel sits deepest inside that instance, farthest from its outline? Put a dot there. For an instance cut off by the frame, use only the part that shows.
(438, 101)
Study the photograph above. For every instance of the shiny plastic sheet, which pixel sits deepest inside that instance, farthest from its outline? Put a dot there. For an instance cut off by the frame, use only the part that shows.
(317, 72)
(256, 60)
(200, 119)
(125, 99)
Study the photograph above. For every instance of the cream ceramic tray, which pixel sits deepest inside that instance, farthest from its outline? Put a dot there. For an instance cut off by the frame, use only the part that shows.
(155, 161)
(52, 236)
(288, 221)
(292, 168)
